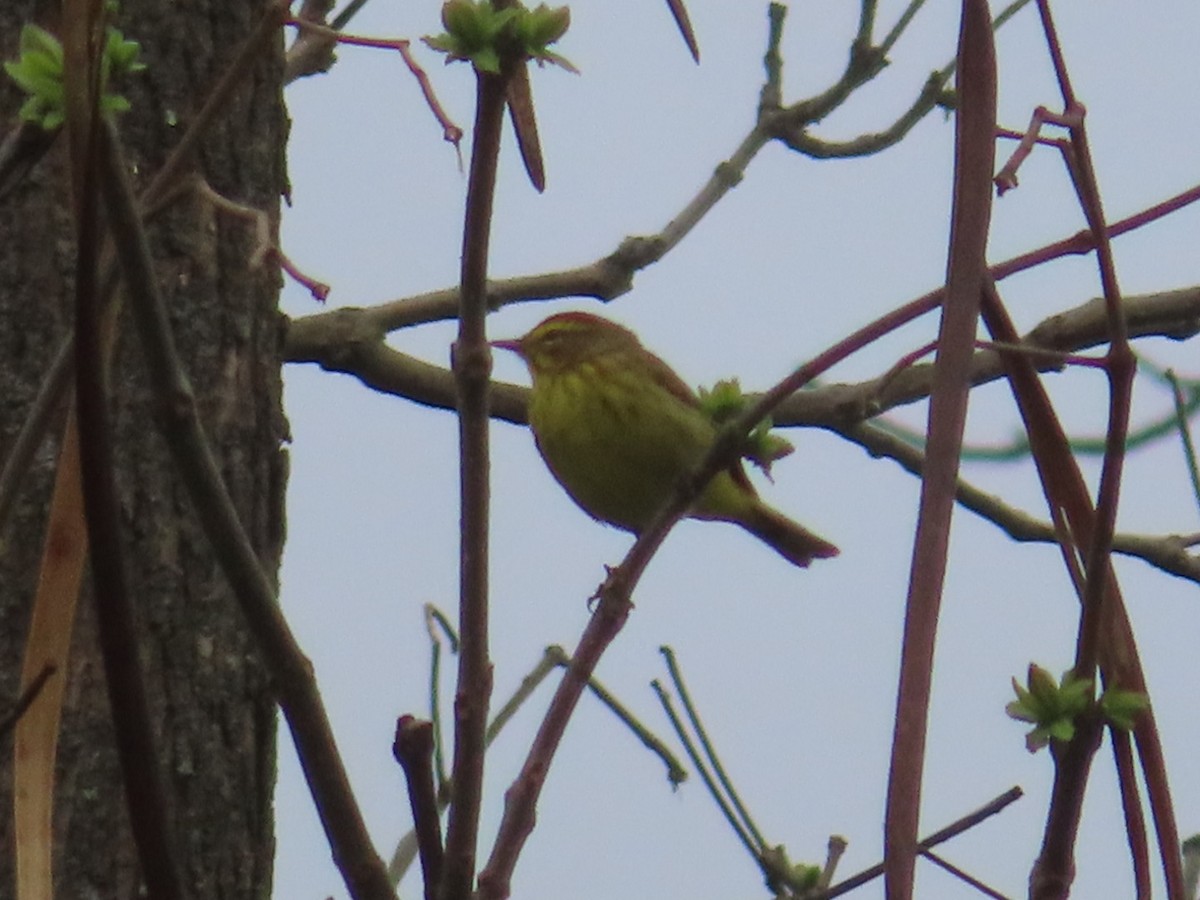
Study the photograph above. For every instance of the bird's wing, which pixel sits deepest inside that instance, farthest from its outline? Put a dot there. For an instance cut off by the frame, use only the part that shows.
(666, 378)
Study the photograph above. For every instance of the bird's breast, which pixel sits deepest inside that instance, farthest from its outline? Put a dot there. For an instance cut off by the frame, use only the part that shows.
(617, 443)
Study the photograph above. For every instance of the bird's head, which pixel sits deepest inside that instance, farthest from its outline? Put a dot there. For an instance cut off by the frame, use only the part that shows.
(568, 340)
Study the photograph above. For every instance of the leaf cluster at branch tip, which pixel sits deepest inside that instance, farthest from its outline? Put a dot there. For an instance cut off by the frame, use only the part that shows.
(723, 402)
(479, 33)
(1054, 707)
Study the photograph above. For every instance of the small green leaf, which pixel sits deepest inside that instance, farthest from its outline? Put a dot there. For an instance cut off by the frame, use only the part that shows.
(24, 79)
(458, 16)
(36, 41)
(1061, 729)
(724, 401)
(1041, 684)
(1121, 708)
(41, 64)
(53, 119)
(543, 26)
(122, 55)
(31, 110)
(443, 43)
(804, 877)
(114, 103)
(555, 59)
(486, 60)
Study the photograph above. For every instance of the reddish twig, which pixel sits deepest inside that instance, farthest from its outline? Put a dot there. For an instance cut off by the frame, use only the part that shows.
(962, 875)
(451, 133)
(1066, 490)
(1120, 361)
(520, 801)
(318, 289)
(1054, 869)
(967, 268)
(1006, 178)
(966, 823)
(1139, 850)
(264, 244)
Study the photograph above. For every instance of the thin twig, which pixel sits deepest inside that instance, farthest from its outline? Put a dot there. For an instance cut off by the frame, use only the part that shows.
(1066, 490)
(435, 706)
(967, 822)
(1168, 553)
(1185, 434)
(1131, 807)
(753, 843)
(451, 133)
(676, 773)
(37, 422)
(406, 848)
(963, 876)
(612, 275)
(26, 699)
(521, 798)
(702, 733)
(1054, 869)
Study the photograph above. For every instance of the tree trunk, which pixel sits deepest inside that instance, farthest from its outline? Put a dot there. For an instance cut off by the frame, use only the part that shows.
(209, 693)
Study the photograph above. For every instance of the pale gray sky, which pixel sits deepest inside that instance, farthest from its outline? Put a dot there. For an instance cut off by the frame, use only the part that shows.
(794, 670)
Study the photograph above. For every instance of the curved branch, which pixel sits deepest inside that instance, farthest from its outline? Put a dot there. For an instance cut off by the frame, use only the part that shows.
(1166, 552)
(351, 341)
(791, 124)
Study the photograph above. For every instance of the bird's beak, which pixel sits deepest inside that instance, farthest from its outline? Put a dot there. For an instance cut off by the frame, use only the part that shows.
(510, 344)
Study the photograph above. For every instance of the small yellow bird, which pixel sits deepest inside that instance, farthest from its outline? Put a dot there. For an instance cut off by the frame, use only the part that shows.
(619, 430)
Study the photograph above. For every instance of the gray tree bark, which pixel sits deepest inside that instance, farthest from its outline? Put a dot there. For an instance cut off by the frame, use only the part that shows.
(210, 695)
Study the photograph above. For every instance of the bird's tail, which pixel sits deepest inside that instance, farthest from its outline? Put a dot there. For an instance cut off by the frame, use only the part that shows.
(789, 539)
